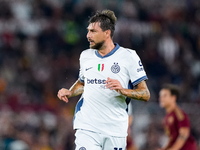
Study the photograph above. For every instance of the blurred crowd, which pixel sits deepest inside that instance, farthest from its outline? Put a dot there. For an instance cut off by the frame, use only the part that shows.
(40, 44)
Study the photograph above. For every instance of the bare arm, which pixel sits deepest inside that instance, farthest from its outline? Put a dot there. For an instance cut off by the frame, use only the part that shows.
(180, 141)
(140, 92)
(75, 90)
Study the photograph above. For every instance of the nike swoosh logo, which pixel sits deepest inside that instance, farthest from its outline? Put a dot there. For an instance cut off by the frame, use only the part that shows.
(88, 68)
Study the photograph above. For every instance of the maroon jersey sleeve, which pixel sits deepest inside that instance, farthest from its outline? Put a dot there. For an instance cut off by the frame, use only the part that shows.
(182, 118)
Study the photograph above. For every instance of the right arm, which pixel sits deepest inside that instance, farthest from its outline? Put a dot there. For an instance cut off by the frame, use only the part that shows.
(184, 133)
(75, 90)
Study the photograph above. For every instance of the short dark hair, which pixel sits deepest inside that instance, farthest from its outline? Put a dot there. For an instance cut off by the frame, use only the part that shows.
(107, 20)
(174, 90)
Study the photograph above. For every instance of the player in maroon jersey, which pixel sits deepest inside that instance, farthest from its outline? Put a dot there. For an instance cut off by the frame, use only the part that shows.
(177, 124)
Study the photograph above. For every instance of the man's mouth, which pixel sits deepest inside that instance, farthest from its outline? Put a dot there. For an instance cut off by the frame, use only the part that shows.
(91, 41)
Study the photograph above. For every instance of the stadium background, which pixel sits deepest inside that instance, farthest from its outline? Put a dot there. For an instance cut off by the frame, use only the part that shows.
(40, 43)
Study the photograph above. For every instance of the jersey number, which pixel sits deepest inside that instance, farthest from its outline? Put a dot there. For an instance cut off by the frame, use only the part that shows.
(117, 148)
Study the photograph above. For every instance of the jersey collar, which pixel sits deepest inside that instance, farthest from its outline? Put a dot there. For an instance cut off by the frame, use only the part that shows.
(110, 53)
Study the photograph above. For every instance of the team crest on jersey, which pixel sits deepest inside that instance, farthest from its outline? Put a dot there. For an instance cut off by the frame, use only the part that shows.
(82, 148)
(115, 68)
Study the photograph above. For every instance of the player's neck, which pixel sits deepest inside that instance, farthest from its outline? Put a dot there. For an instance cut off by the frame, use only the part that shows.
(170, 108)
(106, 48)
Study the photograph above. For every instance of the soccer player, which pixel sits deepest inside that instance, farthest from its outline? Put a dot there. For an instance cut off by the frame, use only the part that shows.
(101, 118)
(177, 124)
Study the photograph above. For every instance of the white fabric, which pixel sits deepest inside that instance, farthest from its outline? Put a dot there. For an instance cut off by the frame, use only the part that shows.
(88, 140)
(100, 109)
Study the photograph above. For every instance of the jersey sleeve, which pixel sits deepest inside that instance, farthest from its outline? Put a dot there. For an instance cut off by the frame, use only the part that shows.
(136, 69)
(182, 118)
(81, 72)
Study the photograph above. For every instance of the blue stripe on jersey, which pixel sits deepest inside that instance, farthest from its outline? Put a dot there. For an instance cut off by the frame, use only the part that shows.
(139, 80)
(109, 54)
(128, 99)
(130, 85)
(128, 50)
(78, 106)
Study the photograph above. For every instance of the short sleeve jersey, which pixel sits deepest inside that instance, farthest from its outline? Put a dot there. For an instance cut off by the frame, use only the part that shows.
(173, 122)
(100, 109)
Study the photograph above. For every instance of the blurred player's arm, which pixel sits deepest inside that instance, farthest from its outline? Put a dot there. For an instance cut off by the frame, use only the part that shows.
(140, 91)
(75, 90)
(184, 133)
(180, 141)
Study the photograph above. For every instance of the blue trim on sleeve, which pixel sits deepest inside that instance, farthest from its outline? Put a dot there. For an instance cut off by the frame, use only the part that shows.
(110, 53)
(139, 80)
(81, 80)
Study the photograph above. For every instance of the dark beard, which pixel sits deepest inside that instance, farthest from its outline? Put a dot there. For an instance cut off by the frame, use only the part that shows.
(98, 46)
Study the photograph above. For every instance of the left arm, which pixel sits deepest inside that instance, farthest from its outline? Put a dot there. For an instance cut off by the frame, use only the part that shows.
(140, 92)
(181, 139)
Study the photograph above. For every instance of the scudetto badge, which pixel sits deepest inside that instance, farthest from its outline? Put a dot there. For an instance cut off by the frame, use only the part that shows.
(115, 68)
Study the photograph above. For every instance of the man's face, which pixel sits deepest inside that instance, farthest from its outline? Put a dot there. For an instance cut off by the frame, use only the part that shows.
(165, 98)
(95, 35)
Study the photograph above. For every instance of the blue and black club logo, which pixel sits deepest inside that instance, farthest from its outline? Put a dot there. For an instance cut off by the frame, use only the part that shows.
(115, 68)
(82, 148)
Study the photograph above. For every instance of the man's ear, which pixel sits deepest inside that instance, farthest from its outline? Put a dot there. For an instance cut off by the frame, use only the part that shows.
(107, 32)
(174, 98)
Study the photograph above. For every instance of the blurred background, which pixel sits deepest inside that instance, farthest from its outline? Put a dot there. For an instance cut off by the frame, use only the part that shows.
(40, 44)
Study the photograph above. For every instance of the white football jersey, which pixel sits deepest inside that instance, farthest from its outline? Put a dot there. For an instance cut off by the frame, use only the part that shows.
(100, 109)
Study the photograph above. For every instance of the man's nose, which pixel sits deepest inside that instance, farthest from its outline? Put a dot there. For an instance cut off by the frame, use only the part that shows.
(88, 35)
